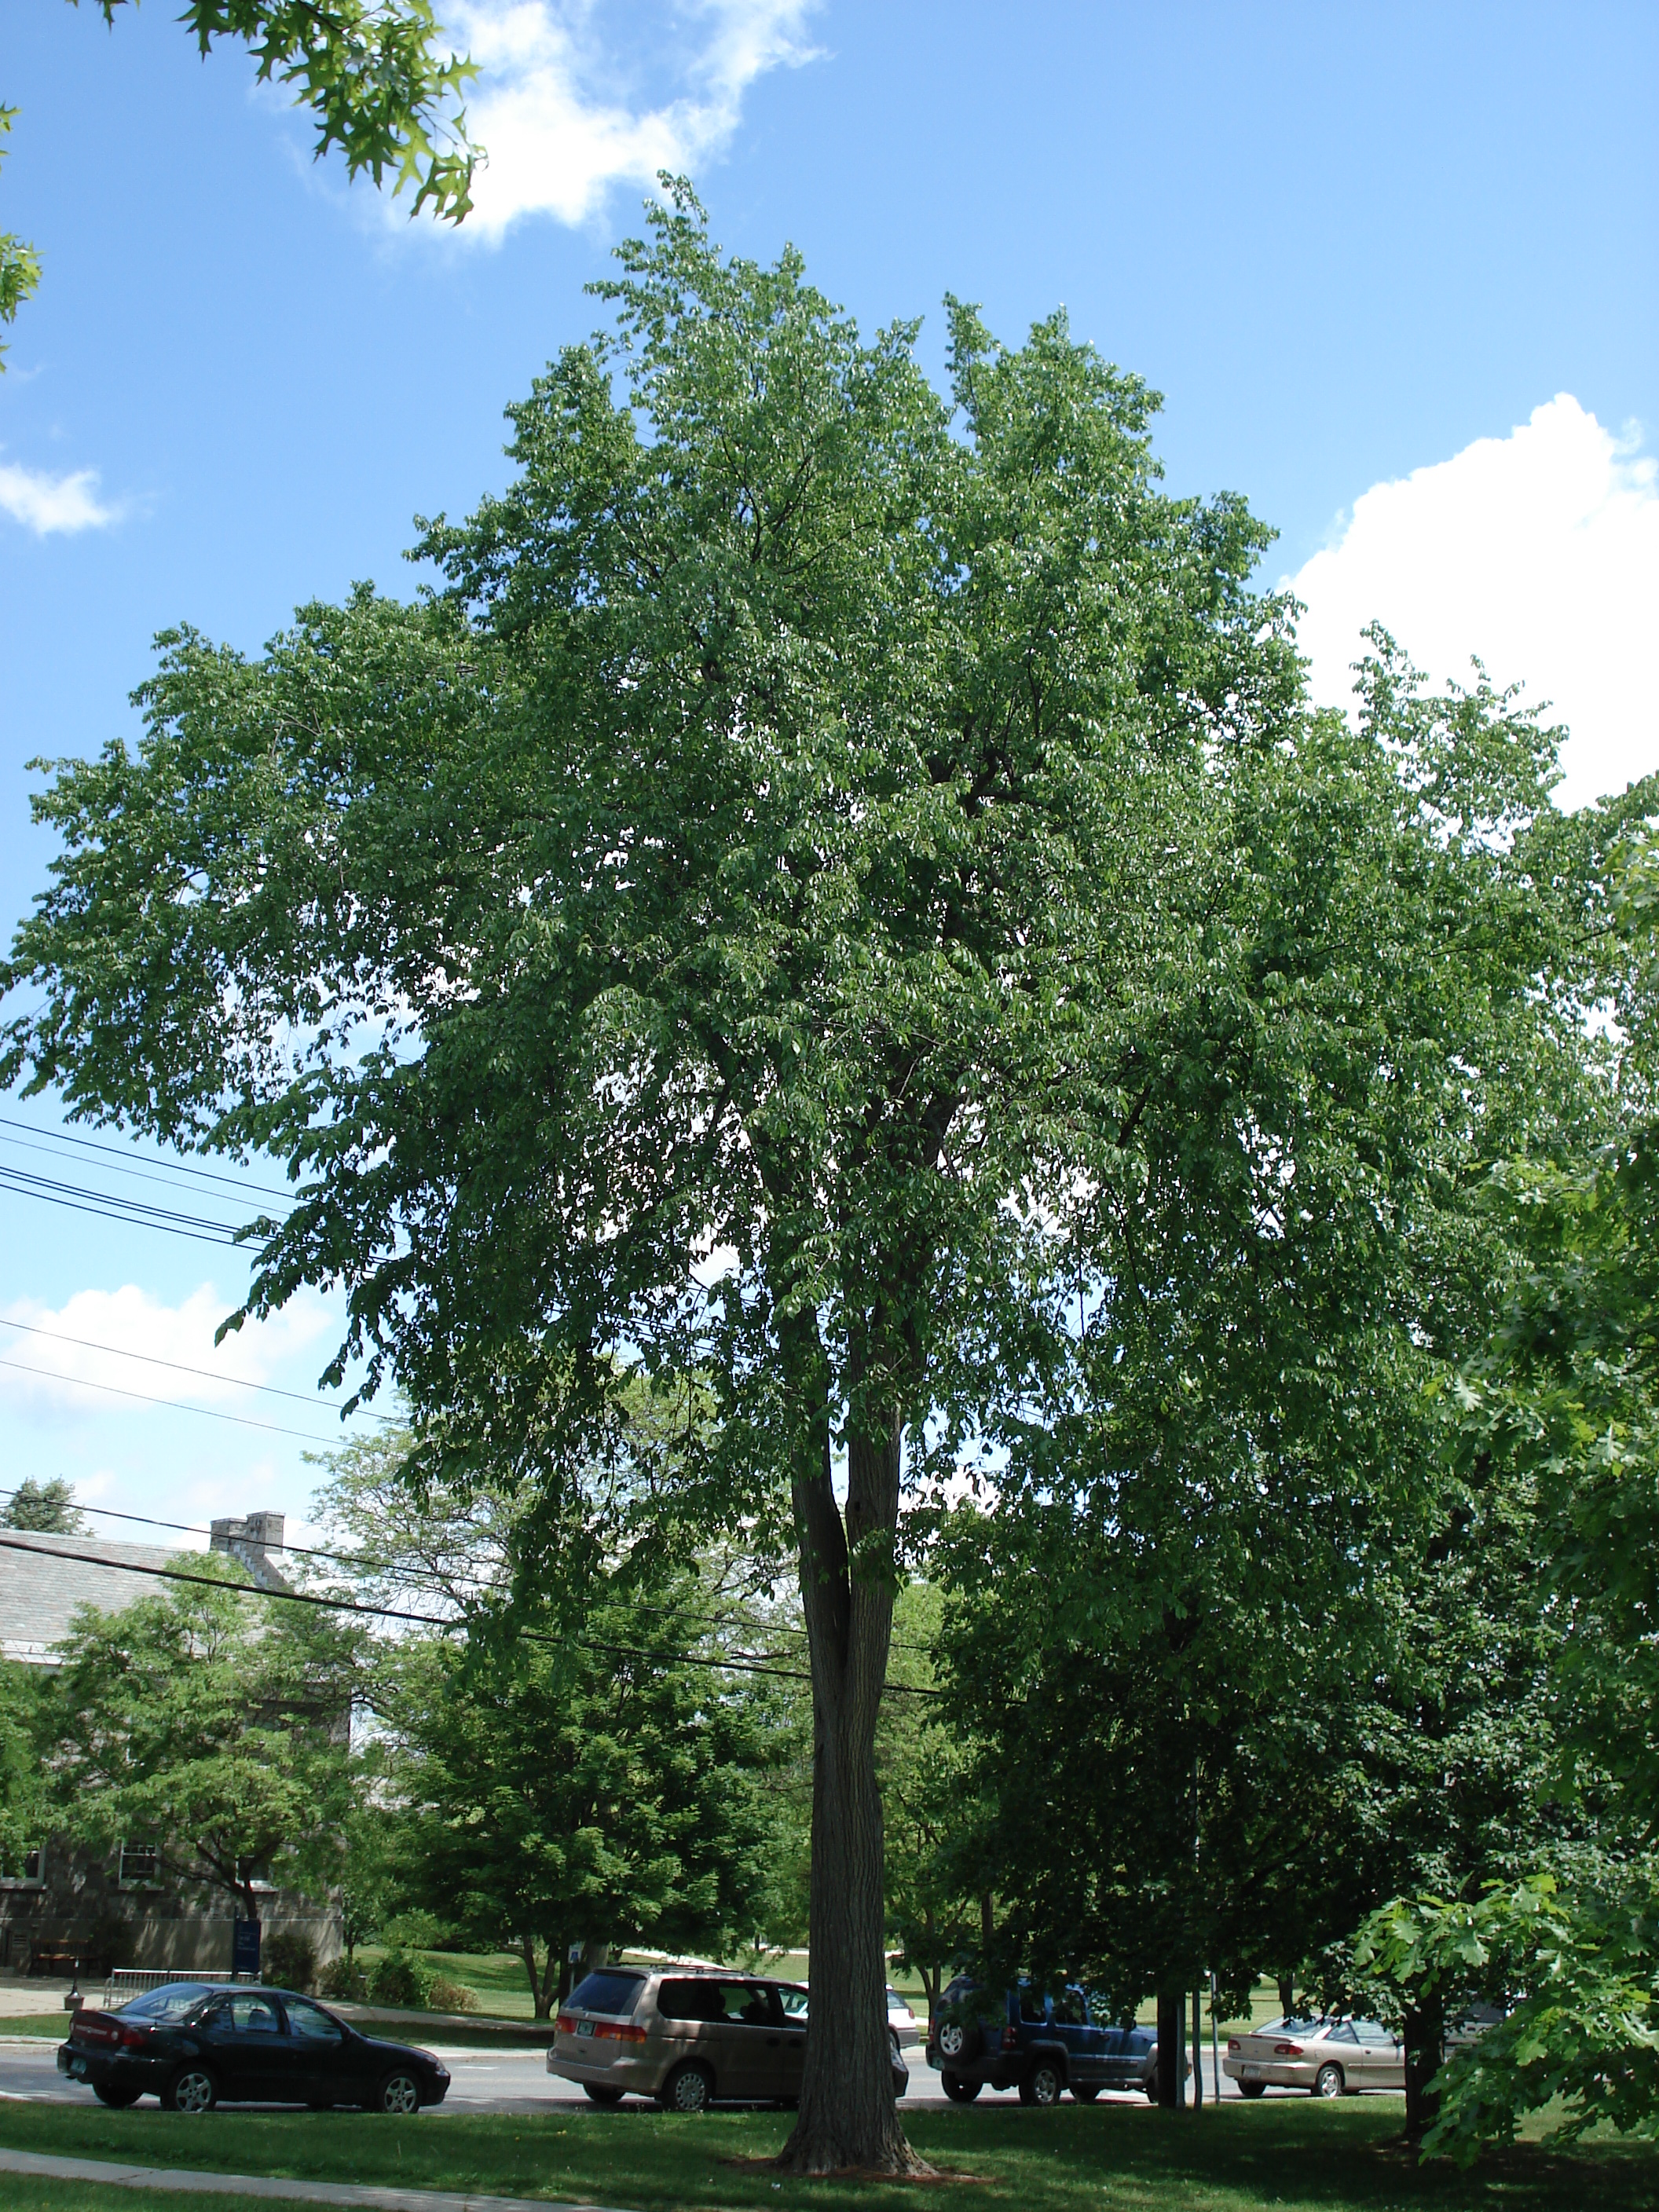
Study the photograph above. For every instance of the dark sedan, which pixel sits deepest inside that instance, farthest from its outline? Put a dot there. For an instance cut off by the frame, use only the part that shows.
(195, 2046)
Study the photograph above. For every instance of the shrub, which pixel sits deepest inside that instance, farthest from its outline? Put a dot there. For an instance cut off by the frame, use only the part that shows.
(288, 1960)
(344, 1980)
(445, 1995)
(398, 1979)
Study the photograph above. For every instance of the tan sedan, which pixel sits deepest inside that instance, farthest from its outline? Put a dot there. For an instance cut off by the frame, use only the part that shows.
(1334, 2056)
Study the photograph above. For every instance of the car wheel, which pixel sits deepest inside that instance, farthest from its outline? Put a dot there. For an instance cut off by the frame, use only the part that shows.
(958, 2091)
(1085, 2091)
(1042, 2085)
(1252, 2088)
(192, 2089)
(1328, 2081)
(116, 2100)
(599, 2095)
(959, 2040)
(688, 2089)
(400, 2093)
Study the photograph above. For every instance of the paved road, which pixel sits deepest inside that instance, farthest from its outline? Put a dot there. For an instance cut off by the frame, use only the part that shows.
(494, 2082)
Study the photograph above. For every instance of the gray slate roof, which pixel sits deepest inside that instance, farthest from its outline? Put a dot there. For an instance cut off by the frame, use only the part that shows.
(40, 1588)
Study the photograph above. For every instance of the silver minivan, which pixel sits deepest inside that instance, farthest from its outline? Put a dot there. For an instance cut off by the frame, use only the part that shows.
(685, 2037)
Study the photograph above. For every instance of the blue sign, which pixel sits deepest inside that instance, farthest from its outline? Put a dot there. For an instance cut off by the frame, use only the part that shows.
(245, 1946)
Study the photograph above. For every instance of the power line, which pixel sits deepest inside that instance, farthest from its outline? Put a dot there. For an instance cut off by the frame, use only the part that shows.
(178, 1366)
(173, 1405)
(355, 1562)
(170, 1167)
(111, 1206)
(714, 1664)
(149, 1174)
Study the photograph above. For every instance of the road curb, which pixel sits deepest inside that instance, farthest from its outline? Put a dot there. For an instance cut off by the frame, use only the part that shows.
(40, 2167)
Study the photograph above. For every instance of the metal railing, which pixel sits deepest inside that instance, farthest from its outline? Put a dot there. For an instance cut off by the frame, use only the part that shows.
(126, 1982)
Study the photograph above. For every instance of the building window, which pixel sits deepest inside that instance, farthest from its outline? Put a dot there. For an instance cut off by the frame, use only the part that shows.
(20, 1869)
(140, 1862)
(256, 1873)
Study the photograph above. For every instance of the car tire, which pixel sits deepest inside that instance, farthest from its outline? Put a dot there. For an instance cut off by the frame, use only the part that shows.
(959, 2041)
(689, 2088)
(1252, 2088)
(597, 2093)
(1085, 2091)
(957, 2090)
(399, 2095)
(192, 2089)
(1328, 2081)
(116, 2100)
(1043, 2084)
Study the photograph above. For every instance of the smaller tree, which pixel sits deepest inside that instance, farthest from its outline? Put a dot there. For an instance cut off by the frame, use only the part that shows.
(49, 1507)
(25, 1814)
(216, 1722)
(595, 1786)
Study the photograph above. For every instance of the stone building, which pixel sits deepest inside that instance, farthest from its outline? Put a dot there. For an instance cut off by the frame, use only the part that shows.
(59, 1903)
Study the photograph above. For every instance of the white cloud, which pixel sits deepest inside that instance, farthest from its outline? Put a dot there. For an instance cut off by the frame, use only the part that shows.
(131, 1320)
(43, 503)
(1538, 553)
(565, 110)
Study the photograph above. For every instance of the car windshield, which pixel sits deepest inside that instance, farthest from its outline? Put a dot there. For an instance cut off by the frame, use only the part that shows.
(171, 2002)
(1292, 2024)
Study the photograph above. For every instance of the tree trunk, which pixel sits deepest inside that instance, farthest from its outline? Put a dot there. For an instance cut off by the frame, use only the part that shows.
(1425, 2047)
(527, 1953)
(1198, 2049)
(847, 2118)
(1287, 1996)
(1171, 2042)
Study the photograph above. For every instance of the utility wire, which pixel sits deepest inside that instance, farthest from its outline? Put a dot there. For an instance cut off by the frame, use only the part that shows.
(155, 1172)
(13, 1543)
(418, 1578)
(172, 1167)
(173, 1405)
(150, 1360)
(355, 1562)
(112, 1207)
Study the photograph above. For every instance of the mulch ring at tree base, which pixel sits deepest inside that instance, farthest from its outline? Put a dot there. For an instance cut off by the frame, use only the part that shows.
(867, 2176)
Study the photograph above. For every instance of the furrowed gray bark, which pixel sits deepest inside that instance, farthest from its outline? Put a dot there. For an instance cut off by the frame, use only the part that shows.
(847, 2118)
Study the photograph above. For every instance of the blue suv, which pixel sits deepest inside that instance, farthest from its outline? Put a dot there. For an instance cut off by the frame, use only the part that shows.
(1043, 2045)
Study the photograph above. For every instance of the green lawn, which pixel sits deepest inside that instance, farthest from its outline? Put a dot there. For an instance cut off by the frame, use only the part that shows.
(54, 2024)
(1299, 2157)
(23, 2194)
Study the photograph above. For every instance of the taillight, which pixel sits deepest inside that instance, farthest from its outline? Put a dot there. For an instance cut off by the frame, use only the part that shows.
(1011, 2039)
(566, 2023)
(1287, 2050)
(131, 2039)
(1233, 2043)
(617, 2031)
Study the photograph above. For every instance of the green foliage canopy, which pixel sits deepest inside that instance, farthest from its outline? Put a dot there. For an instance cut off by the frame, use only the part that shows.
(217, 1724)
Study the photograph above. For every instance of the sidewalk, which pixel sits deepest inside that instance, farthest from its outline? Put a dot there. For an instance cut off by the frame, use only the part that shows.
(272, 2188)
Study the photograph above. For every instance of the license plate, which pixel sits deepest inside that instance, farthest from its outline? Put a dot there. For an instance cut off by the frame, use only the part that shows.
(1249, 2073)
(584, 2027)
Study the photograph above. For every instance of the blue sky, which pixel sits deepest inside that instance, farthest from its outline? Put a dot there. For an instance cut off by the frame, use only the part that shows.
(1396, 270)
